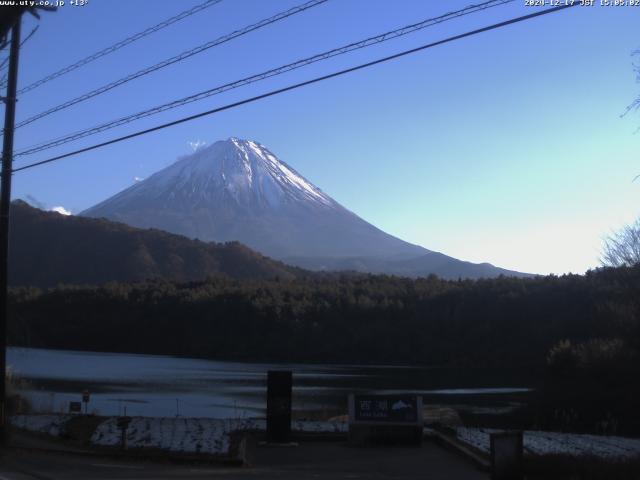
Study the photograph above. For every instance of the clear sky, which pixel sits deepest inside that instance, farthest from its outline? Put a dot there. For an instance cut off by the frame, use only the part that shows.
(506, 147)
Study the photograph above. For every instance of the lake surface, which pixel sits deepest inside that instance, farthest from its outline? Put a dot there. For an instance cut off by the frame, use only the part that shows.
(155, 385)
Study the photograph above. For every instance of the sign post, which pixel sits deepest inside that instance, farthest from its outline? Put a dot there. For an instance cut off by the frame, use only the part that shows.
(85, 400)
(279, 384)
(123, 423)
(385, 419)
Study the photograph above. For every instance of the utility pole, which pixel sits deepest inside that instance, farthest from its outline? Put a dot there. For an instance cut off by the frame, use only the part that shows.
(5, 204)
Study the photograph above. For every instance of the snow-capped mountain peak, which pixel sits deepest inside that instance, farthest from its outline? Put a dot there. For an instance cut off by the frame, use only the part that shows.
(244, 171)
(237, 189)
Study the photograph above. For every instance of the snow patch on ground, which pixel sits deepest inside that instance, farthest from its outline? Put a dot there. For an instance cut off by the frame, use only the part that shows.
(553, 443)
(193, 435)
(53, 425)
(213, 436)
(175, 434)
(307, 426)
(189, 435)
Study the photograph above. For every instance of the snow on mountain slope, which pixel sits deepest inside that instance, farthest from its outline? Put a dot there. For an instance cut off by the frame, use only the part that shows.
(244, 171)
(238, 190)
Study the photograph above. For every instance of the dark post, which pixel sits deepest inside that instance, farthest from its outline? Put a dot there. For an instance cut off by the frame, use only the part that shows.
(506, 456)
(278, 406)
(85, 400)
(5, 203)
(123, 424)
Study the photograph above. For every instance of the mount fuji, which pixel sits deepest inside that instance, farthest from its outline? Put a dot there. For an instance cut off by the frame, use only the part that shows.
(239, 190)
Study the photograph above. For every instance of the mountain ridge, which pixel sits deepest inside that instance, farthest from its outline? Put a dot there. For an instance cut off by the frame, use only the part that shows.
(48, 248)
(435, 263)
(239, 190)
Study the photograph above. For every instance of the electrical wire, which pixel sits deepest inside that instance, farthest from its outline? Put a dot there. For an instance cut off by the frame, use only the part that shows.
(299, 85)
(177, 58)
(262, 76)
(123, 43)
(5, 63)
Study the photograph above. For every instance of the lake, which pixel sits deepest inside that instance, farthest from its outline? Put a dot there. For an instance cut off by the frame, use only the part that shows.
(156, 385)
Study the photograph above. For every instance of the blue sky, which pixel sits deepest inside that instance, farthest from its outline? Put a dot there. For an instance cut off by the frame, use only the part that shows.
(506, 147)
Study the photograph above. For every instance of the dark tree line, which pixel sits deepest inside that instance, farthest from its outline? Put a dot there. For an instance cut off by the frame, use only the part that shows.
(366, 319)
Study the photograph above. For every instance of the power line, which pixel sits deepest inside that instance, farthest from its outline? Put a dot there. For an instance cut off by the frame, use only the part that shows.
(177, 58)
(262, 76)
(5, 64)
(120, 44)
(299, 85)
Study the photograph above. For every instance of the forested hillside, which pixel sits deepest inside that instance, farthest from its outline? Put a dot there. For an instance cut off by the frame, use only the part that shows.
(47, 249)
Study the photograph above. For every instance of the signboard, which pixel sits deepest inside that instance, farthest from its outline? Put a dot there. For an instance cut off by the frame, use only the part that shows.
(75, 407)
(385, 419)
(396, 409)
(279, 385)
(506, 456)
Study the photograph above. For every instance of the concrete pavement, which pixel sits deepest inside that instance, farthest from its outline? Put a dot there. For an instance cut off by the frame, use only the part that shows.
(311, 460)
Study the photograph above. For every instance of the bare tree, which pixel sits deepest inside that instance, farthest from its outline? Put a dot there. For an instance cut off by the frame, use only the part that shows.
(635, 105)
(623, 247)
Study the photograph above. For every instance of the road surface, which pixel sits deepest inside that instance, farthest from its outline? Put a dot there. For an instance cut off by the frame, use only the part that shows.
(317, 460)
